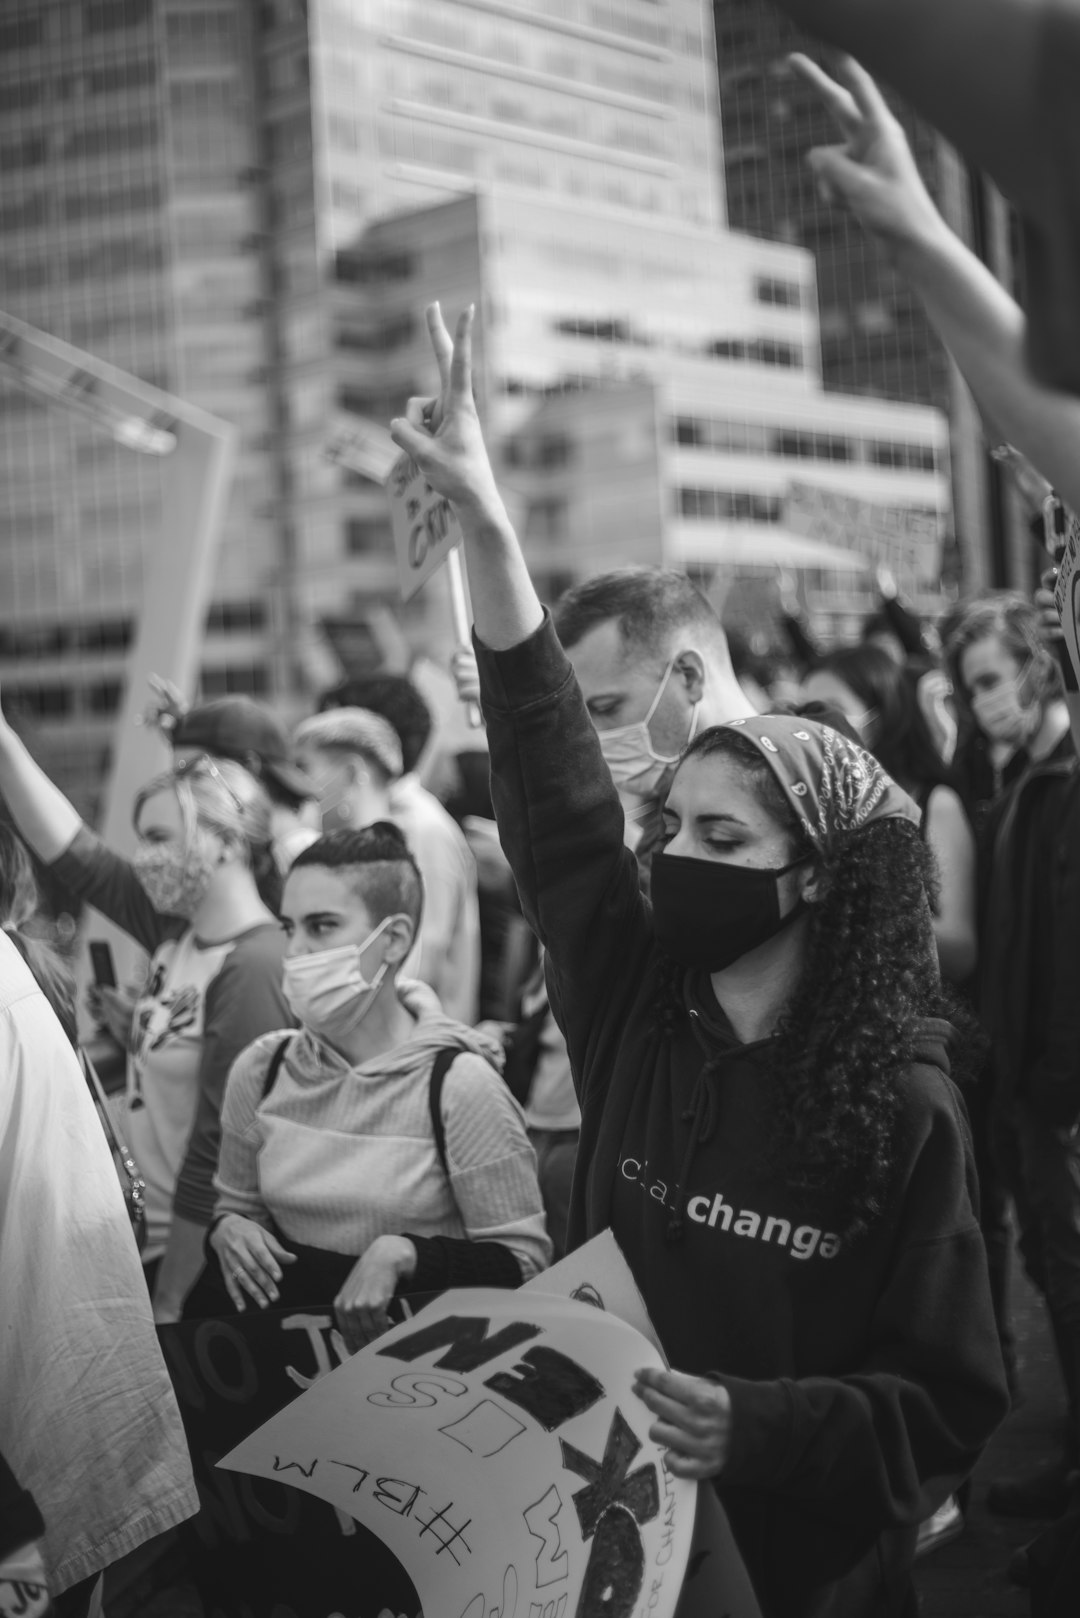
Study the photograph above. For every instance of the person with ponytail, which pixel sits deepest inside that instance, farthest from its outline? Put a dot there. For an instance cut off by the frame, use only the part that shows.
(761, 1053)
(200, 895)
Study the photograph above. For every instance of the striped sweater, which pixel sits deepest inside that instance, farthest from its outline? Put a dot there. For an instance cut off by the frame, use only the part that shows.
(336, 1155)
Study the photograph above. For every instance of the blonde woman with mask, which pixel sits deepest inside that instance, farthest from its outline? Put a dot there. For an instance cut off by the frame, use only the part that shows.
(198, 896)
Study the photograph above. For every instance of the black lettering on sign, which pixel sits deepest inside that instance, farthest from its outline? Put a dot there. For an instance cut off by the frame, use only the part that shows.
(466, 1335)
(552, 1565)
(348, 1467)
(616, 1569)
(608, 1483)
(440, 1528)
(286, 1466)
(417, 1390)
(233, 1375)
(418, 545)
(397, 1496)
(549, 1386)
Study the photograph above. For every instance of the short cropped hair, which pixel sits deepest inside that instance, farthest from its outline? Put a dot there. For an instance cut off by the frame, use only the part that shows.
(648, 604)
(354, 730)
(395, 698)
(379, 863)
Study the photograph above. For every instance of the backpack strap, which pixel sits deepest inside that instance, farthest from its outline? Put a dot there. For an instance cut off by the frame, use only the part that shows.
(440, 1067)
(275, 1066)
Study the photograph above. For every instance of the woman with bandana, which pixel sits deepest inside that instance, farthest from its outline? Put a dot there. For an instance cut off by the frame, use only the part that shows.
(762, 1060)
(199, 897)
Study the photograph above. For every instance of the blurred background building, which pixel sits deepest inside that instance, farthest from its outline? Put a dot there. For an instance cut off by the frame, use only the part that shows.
(875, 337)
(249, 204)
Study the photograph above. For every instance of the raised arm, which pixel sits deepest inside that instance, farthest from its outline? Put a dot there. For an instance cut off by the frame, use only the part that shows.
(43, 816)
(872, 171)
(443, 437)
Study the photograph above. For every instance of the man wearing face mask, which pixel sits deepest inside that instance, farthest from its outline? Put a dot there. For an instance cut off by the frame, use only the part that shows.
(1029, 953)
(652, 660)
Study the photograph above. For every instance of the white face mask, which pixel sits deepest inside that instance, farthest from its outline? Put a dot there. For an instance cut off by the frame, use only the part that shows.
(1002, 716)
(629, 754)
(328, 992)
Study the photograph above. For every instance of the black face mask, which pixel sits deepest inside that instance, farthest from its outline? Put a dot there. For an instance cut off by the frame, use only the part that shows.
(709, 914)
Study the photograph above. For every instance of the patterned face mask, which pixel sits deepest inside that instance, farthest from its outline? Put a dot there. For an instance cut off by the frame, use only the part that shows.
(175, 876)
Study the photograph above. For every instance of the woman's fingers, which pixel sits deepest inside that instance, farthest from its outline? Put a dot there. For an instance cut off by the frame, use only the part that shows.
(441, 342)
(419, 411)
(679, 1442)
(461, 365)
(865, 95)
(234, 1292)
(280, 1252)
(840, 102)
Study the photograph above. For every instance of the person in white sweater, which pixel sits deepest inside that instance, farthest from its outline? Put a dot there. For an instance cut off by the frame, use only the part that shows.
(346, 1172)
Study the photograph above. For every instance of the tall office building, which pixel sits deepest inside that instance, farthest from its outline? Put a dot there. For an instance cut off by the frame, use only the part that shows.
(249, 204)
(875, 337)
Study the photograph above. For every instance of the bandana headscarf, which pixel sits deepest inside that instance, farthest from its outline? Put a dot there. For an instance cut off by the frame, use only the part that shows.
(833, 785)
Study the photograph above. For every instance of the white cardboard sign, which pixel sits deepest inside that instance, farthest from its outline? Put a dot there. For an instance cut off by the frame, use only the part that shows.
(597, 1273)
(1067, 593)
(425, 528)
(363, 446)
(495, 1445)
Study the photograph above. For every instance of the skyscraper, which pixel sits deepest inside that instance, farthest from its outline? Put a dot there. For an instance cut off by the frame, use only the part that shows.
(875, 337)
(217, 196)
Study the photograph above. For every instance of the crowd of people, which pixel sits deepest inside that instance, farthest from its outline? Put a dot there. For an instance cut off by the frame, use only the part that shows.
(773, 979)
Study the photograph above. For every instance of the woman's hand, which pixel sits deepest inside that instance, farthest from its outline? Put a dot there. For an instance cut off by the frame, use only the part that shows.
(251, 1260)
(693, 1420)
(443, 435)
(872, 171)
(361, 1304)
(114, 1010)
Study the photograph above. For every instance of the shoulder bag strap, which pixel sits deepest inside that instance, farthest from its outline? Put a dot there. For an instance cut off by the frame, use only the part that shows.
(440, 1067)
(275, 1065)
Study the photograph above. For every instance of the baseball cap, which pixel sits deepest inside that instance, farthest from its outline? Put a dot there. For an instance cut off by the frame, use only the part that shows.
(246, 732)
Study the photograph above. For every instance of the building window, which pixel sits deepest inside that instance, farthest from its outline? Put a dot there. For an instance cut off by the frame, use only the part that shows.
(366, 534)
(367, 269)
(728, 505)
(780, 294)
(391, 333)
(103, 697)
(43, 701)
(105, 15)
(236, 618)
(105, 635)
(235, 680)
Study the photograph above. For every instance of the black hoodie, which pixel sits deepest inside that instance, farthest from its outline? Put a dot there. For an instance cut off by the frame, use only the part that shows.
(865, 1377)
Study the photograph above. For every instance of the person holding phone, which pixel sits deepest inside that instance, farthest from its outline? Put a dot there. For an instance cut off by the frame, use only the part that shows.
(200, 896)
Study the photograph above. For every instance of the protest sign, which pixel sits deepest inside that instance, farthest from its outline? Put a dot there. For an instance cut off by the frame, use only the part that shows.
(425, 528)
(496, 1446)
(363, 446)
(905, 541)
(597, 1273)
(1067, 592)
(259, 1548)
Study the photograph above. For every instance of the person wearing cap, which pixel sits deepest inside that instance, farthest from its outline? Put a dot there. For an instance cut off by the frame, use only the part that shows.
(243, 730)
(452, 920)
(356, 759)
(762, 1058)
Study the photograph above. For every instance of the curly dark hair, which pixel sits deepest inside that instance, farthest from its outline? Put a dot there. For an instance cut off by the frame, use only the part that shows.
(852, 1025)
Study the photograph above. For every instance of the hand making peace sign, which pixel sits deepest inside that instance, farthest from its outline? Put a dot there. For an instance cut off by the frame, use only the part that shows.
(443, 435)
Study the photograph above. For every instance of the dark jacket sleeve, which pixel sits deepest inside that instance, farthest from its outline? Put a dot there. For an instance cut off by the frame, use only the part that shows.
(108, 882)
(20, 1519)
(882, 1447)
(561, 823)
(244, 1001)
(453, 1261)
(1052, 1080)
